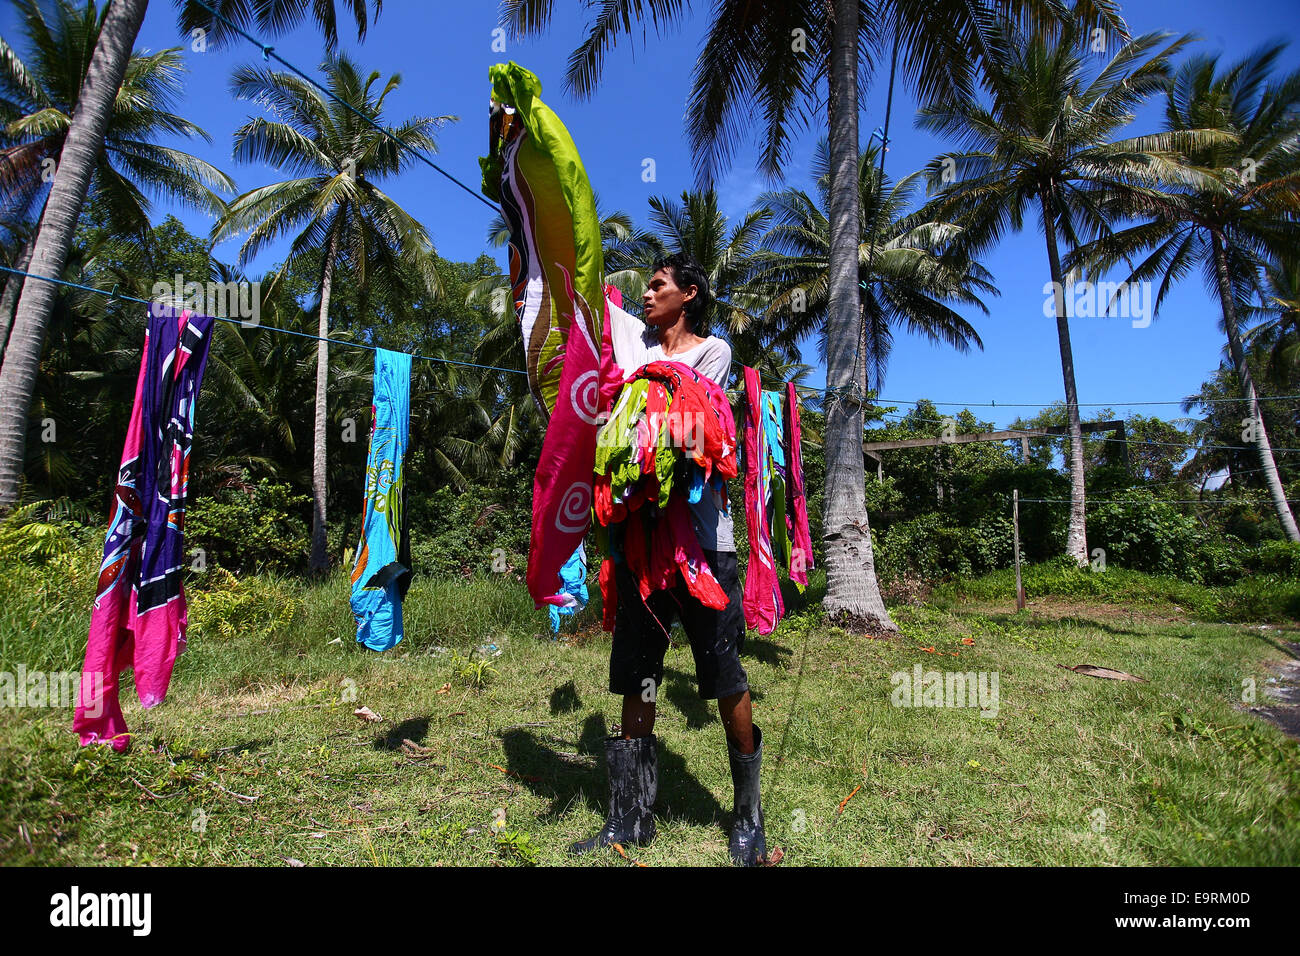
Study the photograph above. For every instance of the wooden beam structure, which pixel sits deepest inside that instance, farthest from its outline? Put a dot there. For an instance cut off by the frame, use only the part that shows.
(1052, 431)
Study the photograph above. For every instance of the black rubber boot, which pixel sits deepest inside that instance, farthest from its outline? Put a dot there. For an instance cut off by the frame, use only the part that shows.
(748, 844)
(633, 785)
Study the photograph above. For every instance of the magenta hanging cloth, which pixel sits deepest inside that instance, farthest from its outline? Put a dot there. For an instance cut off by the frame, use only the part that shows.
(762, 599)
(796, 512)
(556, 271)
(138, 620)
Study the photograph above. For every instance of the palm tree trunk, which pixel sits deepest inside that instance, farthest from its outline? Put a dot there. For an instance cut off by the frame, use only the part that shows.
(9, 300)
(1076, 541)
(851, 586)
(81, 149)
(1262, 447)
(319, 556)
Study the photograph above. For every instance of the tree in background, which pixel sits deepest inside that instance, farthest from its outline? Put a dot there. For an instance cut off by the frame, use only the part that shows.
(95, 105)
(906, 279)
(107, 147)
(1231, 221)
(334, 204)
(1042, 139)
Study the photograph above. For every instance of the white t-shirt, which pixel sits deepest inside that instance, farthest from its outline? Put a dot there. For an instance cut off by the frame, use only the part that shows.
(634, 346)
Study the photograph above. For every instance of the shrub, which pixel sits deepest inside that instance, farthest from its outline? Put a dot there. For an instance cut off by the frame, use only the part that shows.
(1142, 533)
(930, 548)
(251, 531)
(454, 532)
(240, 607)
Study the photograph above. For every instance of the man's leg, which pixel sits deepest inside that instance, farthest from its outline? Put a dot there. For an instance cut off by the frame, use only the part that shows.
(737, 720)
(638, 716)
(635, 668)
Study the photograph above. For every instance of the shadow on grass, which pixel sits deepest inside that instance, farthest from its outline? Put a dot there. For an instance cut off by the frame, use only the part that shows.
(765, 651)
(1052, 624)
(416, 729)
(565, 699)
(1291, 650)
(565, 783)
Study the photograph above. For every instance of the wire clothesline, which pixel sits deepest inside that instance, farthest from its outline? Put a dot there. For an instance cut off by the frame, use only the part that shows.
(114, 295)
(1124, 441)
(1167, 501)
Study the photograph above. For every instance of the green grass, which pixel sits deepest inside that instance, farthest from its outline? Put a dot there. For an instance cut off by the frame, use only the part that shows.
(256, 756)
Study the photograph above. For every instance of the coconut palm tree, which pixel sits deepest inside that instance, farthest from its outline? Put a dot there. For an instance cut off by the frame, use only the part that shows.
(38, 92)
(334, 204)
(909, 268)
(1231, 222)
(82, 145)
(696, 227)
(1279, 323)
(1042, 139)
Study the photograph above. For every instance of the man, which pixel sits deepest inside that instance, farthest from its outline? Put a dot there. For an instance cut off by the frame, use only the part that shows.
(675, 303)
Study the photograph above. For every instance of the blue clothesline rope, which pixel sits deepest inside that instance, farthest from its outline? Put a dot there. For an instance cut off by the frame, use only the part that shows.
(115, 295)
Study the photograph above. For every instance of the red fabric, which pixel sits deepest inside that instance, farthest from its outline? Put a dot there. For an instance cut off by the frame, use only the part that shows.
(762, 600)
(796, 512)
(659, 552)
(608, 595)
(688, 556)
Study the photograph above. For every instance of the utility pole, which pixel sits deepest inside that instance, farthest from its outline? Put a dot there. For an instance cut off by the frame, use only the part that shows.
(1015, 524)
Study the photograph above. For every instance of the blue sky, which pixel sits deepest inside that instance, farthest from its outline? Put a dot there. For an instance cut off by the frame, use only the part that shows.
(442, 52)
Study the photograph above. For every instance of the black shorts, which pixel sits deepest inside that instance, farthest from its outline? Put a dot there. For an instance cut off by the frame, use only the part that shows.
(716, 636)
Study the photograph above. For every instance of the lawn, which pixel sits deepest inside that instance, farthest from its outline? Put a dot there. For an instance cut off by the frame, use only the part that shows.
(256, 757)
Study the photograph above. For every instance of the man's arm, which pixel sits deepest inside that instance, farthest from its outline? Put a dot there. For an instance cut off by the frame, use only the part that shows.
(626, 333)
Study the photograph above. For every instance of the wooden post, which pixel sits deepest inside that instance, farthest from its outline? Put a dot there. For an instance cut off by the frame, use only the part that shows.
(1024, 449)
(1015, 525)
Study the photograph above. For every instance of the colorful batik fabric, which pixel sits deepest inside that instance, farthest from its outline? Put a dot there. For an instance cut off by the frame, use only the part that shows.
(382, 572)
(556, 272)
(762, 600)
(801, 560)
(139, 616)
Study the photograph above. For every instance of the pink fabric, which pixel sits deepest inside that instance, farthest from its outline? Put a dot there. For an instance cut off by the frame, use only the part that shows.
(139, 616)
(762, 600)
(611, 380)
(796, 514)
(110, 648)
(562, 487)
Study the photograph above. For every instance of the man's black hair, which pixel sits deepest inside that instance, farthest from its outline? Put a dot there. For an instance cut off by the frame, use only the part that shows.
(686, 272)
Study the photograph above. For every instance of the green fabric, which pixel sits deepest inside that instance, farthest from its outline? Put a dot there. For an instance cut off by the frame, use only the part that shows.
(614, 440)
(781, 546)
(515, 86)
(666, 458)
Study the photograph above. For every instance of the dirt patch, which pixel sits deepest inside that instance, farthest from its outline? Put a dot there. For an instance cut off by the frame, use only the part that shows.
(1055, 608)
(1281, 698)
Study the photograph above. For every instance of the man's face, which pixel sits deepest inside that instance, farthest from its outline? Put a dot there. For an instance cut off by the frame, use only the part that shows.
(663, 299)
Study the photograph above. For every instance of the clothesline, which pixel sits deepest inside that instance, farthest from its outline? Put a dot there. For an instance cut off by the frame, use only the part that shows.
(1125, 441)
(1168, 501)
(114, 295)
